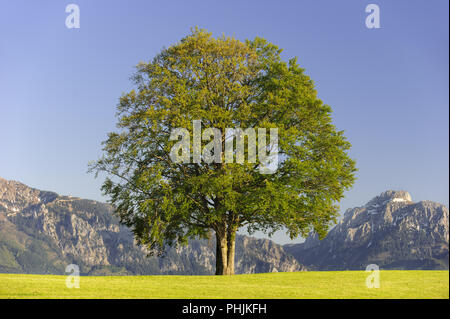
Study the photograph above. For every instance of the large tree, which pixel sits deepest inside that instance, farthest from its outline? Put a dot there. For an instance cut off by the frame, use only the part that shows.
(225, 83)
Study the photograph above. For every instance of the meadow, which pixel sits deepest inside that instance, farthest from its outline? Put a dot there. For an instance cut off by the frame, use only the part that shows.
(326, 284)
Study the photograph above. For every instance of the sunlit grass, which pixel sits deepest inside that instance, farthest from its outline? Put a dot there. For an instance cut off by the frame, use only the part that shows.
(329, 284)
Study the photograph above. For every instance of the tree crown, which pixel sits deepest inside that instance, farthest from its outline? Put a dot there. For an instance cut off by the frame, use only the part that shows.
(225, 83)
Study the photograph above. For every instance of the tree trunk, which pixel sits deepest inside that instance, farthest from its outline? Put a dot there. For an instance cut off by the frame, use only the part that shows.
(221, 253)
(231, 244)
(225, 251)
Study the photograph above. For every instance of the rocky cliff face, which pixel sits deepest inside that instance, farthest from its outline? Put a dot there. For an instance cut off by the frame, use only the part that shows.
(42, 232)
(391, 231)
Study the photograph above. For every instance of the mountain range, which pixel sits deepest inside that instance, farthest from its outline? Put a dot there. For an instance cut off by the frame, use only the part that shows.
(42, 232)
(390, 231)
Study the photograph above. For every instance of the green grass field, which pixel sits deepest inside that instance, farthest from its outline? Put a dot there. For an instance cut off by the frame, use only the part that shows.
(329, 284)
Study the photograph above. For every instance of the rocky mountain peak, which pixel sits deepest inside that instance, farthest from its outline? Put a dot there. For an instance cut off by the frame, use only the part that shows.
(390, 230)
(15, 196)
(392, 196)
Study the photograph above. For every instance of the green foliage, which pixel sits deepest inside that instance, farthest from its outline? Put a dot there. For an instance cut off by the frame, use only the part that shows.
(225, 83)
(35, 255)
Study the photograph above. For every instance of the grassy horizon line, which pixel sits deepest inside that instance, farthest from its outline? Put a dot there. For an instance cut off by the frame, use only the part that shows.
(394, 284)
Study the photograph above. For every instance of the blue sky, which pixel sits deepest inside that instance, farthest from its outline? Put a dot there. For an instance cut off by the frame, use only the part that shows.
(388, 87)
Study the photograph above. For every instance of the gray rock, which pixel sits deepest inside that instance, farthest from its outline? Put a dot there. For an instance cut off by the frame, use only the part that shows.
(390, 230)
(42, 232)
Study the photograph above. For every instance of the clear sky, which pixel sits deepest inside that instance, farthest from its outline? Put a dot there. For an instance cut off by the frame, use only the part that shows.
(388, 87)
